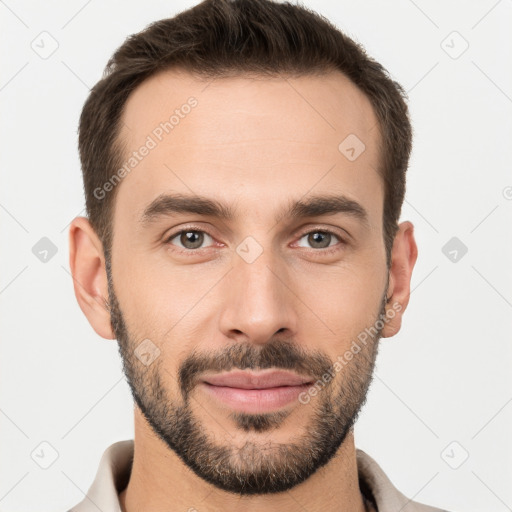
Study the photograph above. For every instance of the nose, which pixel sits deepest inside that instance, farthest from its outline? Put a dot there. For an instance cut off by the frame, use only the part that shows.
(258, 300)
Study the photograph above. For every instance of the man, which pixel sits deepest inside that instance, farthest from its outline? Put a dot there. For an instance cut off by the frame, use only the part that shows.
(244, 168)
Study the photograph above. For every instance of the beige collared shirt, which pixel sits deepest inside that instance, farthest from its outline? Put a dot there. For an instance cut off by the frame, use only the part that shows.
(115, 466)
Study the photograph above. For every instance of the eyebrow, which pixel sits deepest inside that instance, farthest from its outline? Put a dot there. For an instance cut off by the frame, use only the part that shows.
(167, 205)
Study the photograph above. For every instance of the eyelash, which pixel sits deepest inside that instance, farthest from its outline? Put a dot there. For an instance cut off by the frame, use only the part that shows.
(191, 252)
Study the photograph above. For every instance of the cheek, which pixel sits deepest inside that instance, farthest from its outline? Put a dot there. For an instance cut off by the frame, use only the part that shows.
(341, 302)
(158, 299)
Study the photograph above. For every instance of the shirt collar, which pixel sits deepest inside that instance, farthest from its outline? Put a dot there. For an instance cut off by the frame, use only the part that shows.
(116, 463)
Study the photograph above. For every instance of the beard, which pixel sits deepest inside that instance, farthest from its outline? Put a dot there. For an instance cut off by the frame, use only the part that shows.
(261, 466)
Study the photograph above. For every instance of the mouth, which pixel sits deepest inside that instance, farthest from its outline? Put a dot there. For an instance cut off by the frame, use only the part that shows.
(260, 380)
(255, 392)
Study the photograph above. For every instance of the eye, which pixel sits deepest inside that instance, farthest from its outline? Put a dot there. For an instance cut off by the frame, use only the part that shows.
(193, 239)
(320, 239)
(189, 239)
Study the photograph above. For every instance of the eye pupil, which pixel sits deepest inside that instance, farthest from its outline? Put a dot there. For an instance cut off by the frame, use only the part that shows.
(319, 237)
(192, 239)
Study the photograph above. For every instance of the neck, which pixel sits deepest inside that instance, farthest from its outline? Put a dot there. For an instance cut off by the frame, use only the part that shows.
(159, 480)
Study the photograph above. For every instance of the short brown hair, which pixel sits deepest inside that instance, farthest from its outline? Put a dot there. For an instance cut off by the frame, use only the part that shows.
(219, 38)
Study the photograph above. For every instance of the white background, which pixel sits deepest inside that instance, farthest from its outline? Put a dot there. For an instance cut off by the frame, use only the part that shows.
(445, 377)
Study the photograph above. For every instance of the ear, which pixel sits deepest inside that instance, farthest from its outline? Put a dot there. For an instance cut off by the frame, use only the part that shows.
(403, 258)
(87, 263)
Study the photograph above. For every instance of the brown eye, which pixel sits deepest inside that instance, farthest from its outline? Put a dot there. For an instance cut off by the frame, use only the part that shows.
(190, 239)
(320, 239)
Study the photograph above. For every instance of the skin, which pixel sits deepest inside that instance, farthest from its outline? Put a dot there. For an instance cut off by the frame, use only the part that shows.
(256, 145)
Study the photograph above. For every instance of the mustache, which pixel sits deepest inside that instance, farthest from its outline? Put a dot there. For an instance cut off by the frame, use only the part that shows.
(276, 354)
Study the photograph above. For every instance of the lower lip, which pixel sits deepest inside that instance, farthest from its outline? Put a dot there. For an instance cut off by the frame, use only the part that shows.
(255, 400)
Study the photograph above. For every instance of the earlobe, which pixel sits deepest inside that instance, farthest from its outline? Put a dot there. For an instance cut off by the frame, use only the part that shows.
(403, 259)
(87, 263)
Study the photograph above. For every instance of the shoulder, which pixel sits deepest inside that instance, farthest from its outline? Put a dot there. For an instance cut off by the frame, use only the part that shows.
(386, 497)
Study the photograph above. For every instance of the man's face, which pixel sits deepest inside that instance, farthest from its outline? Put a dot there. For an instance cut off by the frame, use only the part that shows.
(194, 295)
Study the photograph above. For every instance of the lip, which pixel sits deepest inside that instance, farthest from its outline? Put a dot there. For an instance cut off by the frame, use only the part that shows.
(260, 380)
(255, 393)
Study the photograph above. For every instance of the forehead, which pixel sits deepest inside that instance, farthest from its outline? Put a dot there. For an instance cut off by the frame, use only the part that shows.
(240, 136)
